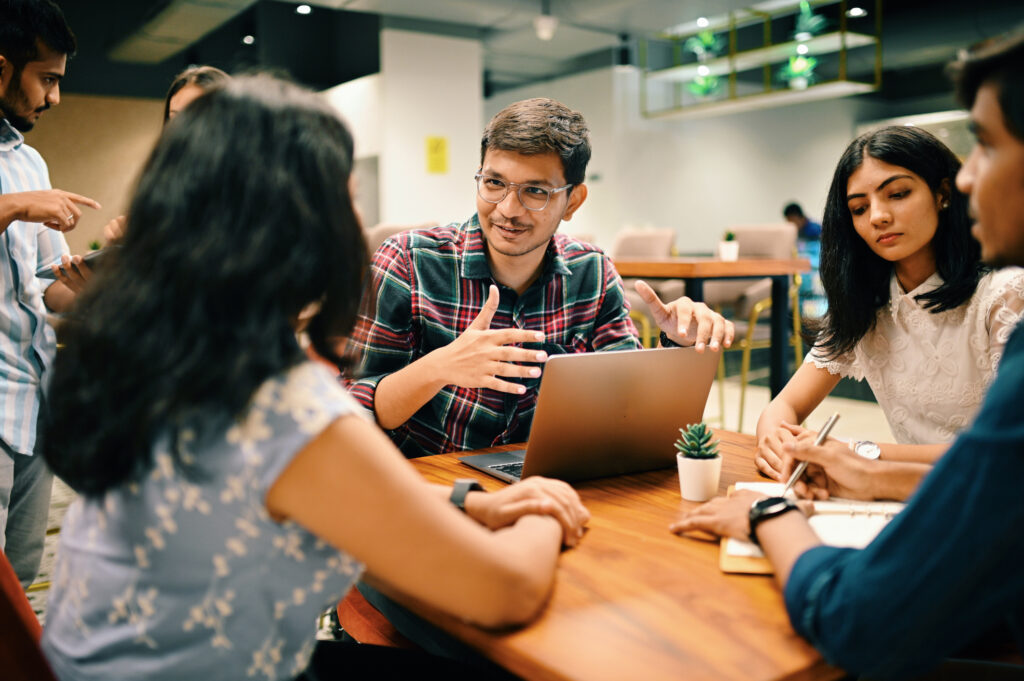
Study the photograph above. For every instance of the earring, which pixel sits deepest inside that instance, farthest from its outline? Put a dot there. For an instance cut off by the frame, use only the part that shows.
(945, 205)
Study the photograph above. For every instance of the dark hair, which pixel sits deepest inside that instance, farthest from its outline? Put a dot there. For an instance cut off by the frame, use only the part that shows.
(26, 23)
(240, 219)
(538, 126)
(856, 280)
(793, 209)
(204, 77)
(999, 61)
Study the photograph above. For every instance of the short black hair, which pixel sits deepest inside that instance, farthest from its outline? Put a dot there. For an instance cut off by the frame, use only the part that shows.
(1000, 62)
(793, 209)
(26, 23)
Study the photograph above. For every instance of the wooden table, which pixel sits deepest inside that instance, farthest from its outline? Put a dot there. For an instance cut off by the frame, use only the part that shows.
(634, 601)
(694, 271)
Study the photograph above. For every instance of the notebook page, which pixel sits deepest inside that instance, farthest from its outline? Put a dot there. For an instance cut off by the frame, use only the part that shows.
(837, 522)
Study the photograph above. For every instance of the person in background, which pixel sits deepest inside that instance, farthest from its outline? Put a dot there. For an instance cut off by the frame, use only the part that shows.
(808, 246)
(462, 316)
(911, 309)
(239, 488)
(946, 570)
(186, 87)
(35, 43)
(807, 229)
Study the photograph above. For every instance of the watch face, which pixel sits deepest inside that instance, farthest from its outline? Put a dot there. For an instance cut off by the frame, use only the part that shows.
(868, 450)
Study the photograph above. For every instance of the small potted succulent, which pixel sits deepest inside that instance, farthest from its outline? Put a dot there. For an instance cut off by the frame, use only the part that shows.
(700, 465)
(728, 247)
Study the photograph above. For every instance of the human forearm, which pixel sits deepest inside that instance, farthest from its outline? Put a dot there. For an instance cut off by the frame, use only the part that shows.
(923, 454)
(400, 395)
(777, 412)
(58, 297)
(784, 539)
(896, 479)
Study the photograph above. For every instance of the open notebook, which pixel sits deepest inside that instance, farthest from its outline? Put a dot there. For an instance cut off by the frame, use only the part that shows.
(838, 522)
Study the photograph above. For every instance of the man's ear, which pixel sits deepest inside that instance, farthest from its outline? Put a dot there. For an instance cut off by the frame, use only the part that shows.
(576, 198)
(6, 73)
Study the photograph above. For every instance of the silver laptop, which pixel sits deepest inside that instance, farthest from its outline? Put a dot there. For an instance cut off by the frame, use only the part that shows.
(608, 413)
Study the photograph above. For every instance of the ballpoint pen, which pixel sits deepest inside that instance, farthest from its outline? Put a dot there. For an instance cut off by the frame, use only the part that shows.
(822, 434)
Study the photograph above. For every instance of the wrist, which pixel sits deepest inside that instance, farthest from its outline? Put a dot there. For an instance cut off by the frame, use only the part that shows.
(476, 506)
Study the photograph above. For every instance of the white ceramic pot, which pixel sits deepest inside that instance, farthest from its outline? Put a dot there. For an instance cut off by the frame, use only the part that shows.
(728, 250)
(698, 478)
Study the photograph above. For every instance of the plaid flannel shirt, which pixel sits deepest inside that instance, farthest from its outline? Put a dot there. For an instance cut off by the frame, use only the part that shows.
(430, 284)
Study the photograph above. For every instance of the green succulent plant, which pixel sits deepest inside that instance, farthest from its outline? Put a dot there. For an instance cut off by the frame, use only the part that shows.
(95, 245)
(808, 22)
(696, 443)
(702, 86)
(799, 66)
(704, 45)
(729, 236)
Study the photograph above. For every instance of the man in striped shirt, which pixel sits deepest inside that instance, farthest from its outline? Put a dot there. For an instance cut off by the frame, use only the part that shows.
(461, 317)
(34, 45)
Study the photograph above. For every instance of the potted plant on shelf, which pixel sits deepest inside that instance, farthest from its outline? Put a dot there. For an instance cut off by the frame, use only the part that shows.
(728, 247)
(700, 466)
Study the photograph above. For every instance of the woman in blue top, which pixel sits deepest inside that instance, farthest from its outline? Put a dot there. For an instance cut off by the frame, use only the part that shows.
(230, 488)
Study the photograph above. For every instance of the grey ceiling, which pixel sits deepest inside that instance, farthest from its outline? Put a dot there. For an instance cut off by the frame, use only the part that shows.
(919, 35)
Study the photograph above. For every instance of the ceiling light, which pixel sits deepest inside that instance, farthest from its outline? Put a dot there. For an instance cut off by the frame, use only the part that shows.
(545, 25)
(802, 49)
(248, 39)
(303, 9)
(702, 22)
(856, 12)
(703, 70)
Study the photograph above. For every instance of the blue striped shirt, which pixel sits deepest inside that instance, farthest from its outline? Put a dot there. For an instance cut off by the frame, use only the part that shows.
(27, 342)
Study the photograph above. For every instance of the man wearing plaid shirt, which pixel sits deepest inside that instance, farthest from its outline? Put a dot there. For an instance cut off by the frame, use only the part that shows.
(462, 315)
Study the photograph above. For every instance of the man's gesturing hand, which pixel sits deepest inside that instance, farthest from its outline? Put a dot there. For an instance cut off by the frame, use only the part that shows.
(481, 354)
(55, 208)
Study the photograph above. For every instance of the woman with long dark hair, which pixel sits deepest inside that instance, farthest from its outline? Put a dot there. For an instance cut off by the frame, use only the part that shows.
(230, 488)
(910, 306)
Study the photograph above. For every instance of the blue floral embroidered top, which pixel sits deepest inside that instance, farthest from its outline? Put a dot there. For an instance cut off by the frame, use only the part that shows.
(184, 575)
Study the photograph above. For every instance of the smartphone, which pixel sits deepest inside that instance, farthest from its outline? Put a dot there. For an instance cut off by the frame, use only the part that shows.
(91, 259)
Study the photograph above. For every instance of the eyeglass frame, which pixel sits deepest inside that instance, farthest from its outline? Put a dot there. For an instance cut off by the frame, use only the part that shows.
(508, 187)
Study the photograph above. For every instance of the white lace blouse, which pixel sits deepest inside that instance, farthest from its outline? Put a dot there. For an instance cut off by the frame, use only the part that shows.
(929, 372)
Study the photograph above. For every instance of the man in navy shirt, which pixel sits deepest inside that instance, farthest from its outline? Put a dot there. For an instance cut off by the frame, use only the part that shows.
(946, 571)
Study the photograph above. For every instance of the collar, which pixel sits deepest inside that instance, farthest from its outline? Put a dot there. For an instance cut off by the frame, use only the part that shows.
(474, 255)
(10, 139)
(898, 298)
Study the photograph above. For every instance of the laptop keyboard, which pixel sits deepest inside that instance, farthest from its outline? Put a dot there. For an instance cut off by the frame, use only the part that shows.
(514, 468)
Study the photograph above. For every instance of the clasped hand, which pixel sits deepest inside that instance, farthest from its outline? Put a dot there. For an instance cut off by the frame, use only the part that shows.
(481, 354)
(833, 469)
(534, 496)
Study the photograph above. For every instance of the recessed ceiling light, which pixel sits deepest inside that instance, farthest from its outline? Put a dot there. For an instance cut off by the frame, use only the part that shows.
(303, 9)
(248, 39)
(802, 49)
(856, 12)
(702, 22)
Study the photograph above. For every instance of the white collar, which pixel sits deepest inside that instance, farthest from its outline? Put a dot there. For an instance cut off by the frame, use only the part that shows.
(10, 138)
(899, 298)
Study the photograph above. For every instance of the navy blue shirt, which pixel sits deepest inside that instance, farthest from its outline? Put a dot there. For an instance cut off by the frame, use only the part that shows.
(946, 570)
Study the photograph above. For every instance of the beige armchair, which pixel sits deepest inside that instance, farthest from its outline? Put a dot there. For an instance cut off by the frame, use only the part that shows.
(751, 300)
(641, 243)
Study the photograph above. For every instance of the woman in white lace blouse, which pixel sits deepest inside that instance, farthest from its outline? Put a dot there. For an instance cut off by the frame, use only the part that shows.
(230, 488)
(911, 309)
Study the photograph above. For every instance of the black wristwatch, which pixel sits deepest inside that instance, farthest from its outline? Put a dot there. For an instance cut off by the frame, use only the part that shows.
(667, 342)
(462, 487)
(765, 509)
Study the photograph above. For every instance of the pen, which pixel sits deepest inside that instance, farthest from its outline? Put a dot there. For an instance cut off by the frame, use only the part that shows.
(817, 443)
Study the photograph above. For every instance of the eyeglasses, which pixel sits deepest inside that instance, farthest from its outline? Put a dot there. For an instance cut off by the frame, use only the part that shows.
(533, 197)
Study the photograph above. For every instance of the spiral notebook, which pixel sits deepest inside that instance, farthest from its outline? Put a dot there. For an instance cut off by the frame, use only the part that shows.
(837, 522)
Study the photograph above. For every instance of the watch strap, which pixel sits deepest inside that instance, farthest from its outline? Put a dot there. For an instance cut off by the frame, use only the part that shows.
(461, 488)
(667, 342)
(766, 509)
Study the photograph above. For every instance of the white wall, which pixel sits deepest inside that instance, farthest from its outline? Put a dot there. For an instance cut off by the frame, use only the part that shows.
(701, 176)
(359, 102)
(431, 86)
